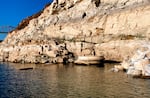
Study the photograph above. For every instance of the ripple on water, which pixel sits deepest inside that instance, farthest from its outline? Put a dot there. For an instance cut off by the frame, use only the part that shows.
(60, 81)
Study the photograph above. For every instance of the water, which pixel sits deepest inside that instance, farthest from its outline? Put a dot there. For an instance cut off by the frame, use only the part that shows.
(60, 81)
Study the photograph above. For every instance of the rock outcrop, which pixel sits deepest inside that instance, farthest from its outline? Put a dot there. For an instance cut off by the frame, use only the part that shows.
(65, 29)
(138, 64)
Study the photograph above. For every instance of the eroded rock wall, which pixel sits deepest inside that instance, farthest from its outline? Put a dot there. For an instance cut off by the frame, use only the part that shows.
(112, 28)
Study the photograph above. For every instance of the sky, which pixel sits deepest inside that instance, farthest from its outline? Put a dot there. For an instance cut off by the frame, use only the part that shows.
(13, 11)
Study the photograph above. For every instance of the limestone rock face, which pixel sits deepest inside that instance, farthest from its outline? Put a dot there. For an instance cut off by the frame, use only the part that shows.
(114, 29)
(33, 53)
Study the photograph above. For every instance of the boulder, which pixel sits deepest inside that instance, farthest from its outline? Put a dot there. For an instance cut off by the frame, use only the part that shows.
(138, 65)
(146, 70)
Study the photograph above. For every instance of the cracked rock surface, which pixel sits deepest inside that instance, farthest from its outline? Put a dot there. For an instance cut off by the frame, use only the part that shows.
(65, 29)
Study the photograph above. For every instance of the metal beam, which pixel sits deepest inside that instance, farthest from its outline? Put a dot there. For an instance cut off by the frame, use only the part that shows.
(6, 28)
(3, 32)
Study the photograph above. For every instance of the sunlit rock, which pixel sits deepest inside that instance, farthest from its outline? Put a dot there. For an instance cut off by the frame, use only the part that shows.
(114, 29)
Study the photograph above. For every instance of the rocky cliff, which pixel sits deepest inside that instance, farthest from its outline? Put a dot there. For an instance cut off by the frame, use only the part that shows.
(65, 29)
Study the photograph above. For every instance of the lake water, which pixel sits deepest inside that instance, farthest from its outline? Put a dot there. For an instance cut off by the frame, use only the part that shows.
(69, 81)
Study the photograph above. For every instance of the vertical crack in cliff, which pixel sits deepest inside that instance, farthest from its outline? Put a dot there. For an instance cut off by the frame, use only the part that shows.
(105, 22)
(97, 2)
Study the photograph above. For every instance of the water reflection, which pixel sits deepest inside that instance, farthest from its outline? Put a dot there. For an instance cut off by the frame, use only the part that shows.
(59, 81)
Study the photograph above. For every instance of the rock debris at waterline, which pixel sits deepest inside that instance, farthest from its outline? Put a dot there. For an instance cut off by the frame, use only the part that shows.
(138, 65)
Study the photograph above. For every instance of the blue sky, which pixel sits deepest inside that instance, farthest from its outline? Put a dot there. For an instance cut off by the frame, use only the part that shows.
(13, 11)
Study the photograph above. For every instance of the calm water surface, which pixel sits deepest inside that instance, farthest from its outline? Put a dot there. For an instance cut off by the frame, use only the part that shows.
(60, 81)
